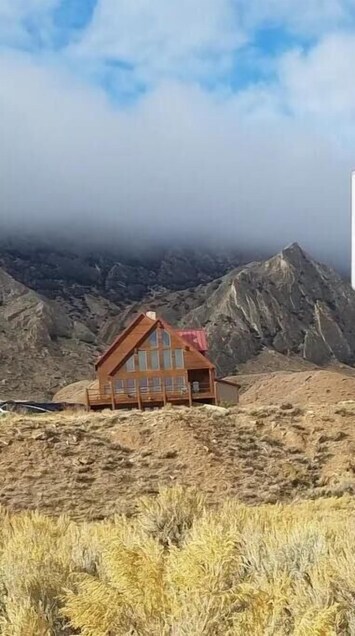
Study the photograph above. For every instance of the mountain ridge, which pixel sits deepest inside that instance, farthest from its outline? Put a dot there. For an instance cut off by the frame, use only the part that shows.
(289, 303)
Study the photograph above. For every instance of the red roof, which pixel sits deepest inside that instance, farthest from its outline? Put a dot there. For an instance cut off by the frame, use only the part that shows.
(196, 337)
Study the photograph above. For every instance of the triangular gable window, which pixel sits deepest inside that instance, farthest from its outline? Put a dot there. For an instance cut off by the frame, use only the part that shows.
(153, 339)
(130, 364)
(166, 340)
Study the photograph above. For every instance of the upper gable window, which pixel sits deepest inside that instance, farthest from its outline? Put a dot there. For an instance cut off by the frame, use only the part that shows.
(167, 359)
(154, 360)
(179, 359)
(142, 360)
(166, 340)
(153, 339)
(130, 364)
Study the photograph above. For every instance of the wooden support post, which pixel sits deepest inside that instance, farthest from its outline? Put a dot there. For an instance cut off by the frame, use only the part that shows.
(216, 393)
(211, 379)
(165, 399)
(190, 394)
(113, 401)
(140, 405)
(87, 399)
(213, 385)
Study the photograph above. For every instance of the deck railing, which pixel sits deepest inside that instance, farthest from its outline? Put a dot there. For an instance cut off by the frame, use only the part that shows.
(95, 397)
(203, 387)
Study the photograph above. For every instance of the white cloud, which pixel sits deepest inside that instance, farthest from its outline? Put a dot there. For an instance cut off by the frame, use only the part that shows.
(194, 39)
(320, 83)
(189, 38)
(180, 162)
(263, 166)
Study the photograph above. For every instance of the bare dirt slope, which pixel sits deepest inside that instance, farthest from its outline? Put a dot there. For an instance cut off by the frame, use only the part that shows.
(270, 361)
(306, 387)
(74, 393)
(93, 465)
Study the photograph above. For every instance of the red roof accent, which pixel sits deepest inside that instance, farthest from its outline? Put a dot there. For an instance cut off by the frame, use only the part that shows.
(196, 337)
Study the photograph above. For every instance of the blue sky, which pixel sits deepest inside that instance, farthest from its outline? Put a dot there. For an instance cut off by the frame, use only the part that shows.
(219, 45)
(179, 103)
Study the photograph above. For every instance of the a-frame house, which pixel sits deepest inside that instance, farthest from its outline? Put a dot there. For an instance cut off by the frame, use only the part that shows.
(151, 364)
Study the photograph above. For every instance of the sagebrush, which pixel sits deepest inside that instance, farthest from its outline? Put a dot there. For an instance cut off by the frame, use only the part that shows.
(180, 568)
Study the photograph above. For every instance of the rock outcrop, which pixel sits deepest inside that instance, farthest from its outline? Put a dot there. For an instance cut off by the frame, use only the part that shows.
(40, 345)
(289, 303)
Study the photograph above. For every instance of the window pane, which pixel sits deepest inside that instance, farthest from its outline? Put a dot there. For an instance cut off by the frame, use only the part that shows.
(166, 339)
(180, 382)
(169, 384)
(154, 360)
(119, 386)
(131, 387)
(130, 364)
(167, 359)
(179, 358)
(143, 385)
(107, 389)
(153, 339)
(142, 360)
(156, 384)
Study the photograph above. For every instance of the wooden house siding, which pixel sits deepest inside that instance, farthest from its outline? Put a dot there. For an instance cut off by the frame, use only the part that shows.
(123, 348)
(115, 379)
(227, 392)
(192, 360)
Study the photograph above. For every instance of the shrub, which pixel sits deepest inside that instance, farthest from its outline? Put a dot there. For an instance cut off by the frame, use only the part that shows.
(180, 569)
(170, 515)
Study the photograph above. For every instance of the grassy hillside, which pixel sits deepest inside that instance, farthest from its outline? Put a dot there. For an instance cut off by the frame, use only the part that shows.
(181, 568)
(93, 465)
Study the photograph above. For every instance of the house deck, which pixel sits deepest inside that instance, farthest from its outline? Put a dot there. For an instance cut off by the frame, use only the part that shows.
(149, 399)
(151, 364)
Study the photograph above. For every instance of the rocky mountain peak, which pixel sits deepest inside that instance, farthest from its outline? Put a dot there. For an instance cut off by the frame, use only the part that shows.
(293, 256)
(294, 250)
(290, 304)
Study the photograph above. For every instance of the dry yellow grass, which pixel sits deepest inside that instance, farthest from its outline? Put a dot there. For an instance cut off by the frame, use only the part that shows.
(181, 568)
